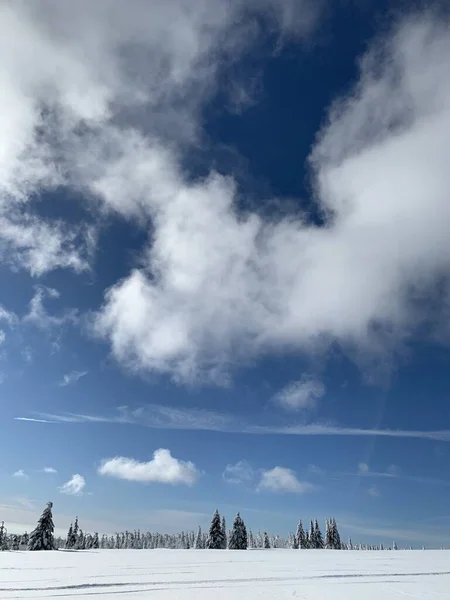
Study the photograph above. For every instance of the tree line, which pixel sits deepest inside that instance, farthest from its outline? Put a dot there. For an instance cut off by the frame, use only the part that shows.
(217, 538)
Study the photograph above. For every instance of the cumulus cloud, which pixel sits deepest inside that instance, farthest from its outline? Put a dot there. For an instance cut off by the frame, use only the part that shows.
(72, 377)
(88, 115)
(363, 468)
(241, 472)
(75, 486)
(163, 468)
(281, 479)
(300, 394)
(380, 171)
(20, 474)
(100, 71)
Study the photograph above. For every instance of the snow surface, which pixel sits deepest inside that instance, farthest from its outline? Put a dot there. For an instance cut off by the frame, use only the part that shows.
(225, 574)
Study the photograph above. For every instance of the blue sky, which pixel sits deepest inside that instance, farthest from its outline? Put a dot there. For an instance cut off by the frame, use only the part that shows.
(224, 265)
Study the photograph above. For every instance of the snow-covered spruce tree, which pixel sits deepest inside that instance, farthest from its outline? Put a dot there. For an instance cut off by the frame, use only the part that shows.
(328, 535)
(41, 538)
(312, 535)
(71, 537)
(300, 535)
(335, 535)
(216, 535)
(266, 541)
(238, 538)
(199, 540)
(3, 537)
(318, 536)
(224, 531)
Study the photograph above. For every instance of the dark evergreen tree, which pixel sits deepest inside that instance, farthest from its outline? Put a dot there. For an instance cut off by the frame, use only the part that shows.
(41, 538)
(335, 535)
(224, 531)
(328, 536)
(71, 539)
(266, 541)
(300, 535)
(3, 537)
(318, 539)
(216, 535)
(238, 538)
(95, 542)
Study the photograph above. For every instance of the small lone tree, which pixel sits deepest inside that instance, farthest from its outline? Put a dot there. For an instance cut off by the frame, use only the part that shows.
(41, 538)
(238, 538)
(216, 535)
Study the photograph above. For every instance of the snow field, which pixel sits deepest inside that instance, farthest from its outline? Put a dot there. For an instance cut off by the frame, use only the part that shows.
(225, 574)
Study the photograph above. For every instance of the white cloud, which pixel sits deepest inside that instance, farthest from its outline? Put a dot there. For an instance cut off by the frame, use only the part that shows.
(241, 472)
(300, 394)
(72, 377)
(381, 177)
(8, 316)
(49, 470)
(100, 71)
(166, 417)
(163, 468)
(203, 302)
(363, 468)
(38, 316)
(280, 479)
(374, 492)
(74, 487)
(20, 474)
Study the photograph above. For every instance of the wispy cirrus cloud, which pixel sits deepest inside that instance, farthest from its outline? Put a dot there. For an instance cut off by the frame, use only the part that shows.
(38, 316)
(163, 468)
(393, 472)
(166, 417)
(241, 472)
(72, 378)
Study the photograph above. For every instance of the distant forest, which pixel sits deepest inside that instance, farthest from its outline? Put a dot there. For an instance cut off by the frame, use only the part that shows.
(217, 538)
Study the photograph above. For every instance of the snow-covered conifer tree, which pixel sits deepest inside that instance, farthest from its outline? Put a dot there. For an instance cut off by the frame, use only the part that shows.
(238, 538)
(300, 535)
(3, 537)
(41, 538)
(224, 531)
(266, 541)
(311, 536)
(216, 535)
(335, 534)
(199, 540)
(318, 539)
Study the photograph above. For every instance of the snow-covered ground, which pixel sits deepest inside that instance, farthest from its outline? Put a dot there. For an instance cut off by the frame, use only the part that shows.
(220, 575)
